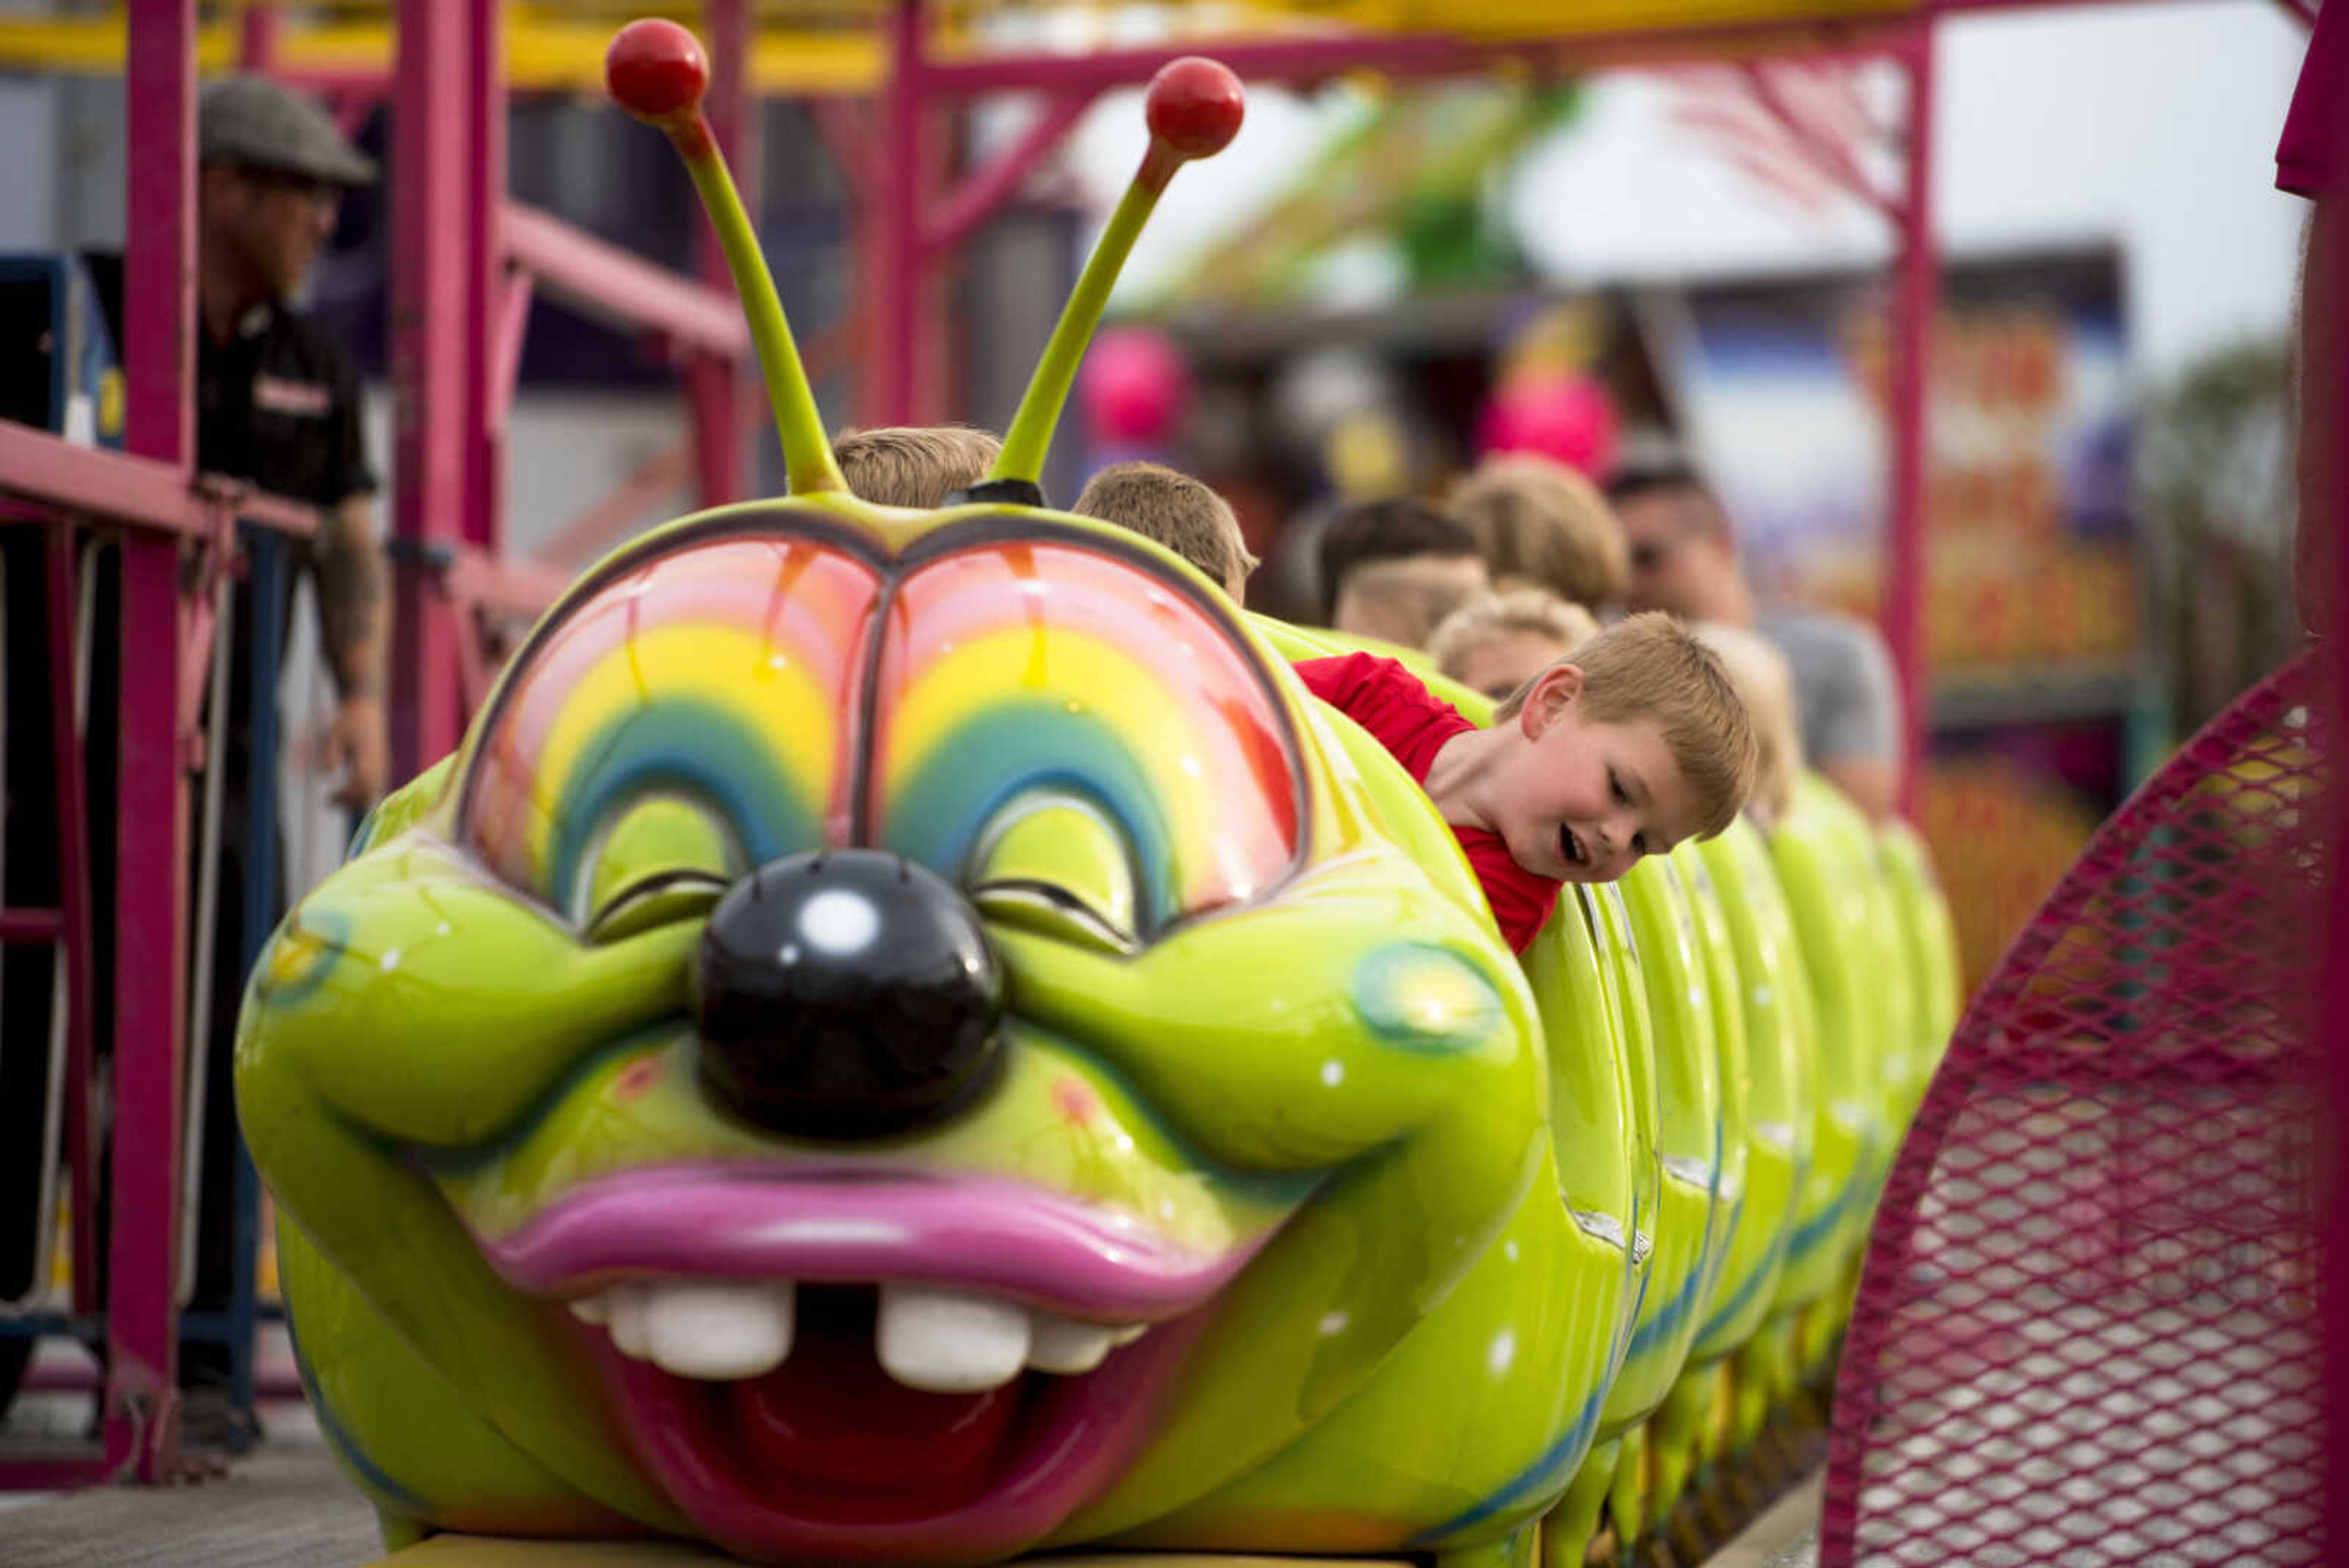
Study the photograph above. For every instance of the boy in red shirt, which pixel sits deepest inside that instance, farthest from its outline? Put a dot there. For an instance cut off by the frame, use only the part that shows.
(1632, 743)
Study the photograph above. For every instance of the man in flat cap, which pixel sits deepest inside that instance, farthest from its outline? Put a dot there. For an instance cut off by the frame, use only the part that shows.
(277, 400)
(278, 405)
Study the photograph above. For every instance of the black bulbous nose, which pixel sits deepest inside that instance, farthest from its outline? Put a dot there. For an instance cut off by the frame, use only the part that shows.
(846, 994)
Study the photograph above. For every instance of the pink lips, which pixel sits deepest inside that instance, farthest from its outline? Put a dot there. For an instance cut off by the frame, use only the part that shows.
(1067, 1441)
(716, 1221)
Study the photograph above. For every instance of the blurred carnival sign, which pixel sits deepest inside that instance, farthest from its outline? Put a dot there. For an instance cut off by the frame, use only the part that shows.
(2036, 627)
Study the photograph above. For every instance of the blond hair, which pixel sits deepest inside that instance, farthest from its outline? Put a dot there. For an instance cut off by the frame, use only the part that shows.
(1402, 599)
(1529, 612)
(1767, 686)
(1175, 509)
(1541, 522)
(1651, 668)
(914, 465)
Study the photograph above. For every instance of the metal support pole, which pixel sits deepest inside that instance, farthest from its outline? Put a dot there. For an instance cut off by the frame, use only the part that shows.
(439, 312)
(894, 225)
(160, 326)
(715, 386)
(1916, 300)
(265, 598)
(70, 634)
(257, 38)
(483, 256)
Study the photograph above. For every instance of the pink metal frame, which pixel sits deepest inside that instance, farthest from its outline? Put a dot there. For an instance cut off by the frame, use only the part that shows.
(1916, 302)
(139, 1426)
(906, 244)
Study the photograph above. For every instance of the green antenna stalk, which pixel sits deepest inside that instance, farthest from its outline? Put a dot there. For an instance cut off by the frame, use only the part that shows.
(656, 71)
(1194, 109)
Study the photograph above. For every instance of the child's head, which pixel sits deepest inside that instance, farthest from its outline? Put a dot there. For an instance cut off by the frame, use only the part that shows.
(914, 465)
(1635, 742)
(1767, 686)
(1543, 523)
(1176, 510)
(1393, 568)
(1495, 644)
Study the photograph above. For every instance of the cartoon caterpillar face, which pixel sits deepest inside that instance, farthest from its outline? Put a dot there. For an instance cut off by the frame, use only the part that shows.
(897, 1038)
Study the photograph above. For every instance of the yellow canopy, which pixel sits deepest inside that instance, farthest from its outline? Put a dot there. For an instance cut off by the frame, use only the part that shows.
(814, 47)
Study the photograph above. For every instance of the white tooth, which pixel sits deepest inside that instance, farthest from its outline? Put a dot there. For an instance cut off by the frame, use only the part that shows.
(1063, 1344)
(590, 1309)
(1126, 1333)
(720, 1330)
(949, 1342)
(625, 1316)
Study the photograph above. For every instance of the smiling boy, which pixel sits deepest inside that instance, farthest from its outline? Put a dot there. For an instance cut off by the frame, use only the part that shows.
(1633, 743)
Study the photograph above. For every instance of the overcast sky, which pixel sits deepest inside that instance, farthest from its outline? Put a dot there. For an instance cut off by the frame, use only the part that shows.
(2153, 125)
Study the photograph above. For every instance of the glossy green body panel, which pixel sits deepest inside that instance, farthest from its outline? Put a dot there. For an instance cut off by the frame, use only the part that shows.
(1931, 938)
(1830, 913)
(1747, 1223)
(1760, 1090)
(373, 1394)
(1765, 972)
(1782, 1053)
(1571, 1527)
(1899, 1006)
(1692, 1216)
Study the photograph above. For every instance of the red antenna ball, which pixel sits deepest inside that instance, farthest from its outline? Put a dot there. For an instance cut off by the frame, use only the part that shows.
(1194, 106)
(655, 69)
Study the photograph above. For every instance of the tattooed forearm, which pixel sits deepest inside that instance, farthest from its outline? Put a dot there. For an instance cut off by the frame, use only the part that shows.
(351, 598)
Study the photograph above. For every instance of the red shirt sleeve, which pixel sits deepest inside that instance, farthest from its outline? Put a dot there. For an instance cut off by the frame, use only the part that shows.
(2312, 159)
(1388, 700)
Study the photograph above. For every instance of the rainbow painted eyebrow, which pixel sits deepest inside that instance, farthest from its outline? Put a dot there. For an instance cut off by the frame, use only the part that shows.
(724, 674)
(1133, 701)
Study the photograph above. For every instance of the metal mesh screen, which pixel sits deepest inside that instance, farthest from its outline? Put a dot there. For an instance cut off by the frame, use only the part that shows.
(2086, 1333)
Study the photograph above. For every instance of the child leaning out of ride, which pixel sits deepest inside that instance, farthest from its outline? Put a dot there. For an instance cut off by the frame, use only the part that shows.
(1633, 743)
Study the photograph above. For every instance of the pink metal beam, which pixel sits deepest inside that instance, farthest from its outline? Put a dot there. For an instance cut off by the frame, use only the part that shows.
(622, 287)
(150, 823)
(433, 274)
(154, 494)
(1917, 302)
(894, 225)
(257, 38)
(507, 588)
(846, 130)
(1325, 55)
(897, 317)
(1825, 152)
(505, 363)
(985, 191)
(31, 925)
(484, 106)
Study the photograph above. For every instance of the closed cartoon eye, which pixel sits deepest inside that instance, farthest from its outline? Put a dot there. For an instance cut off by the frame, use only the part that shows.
(1054, 866)
(664, 860)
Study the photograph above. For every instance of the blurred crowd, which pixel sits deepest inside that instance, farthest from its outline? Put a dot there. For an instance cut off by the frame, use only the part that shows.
(1517, 562)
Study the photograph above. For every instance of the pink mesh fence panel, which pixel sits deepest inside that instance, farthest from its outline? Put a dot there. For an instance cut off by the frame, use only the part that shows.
(2085, 1331)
